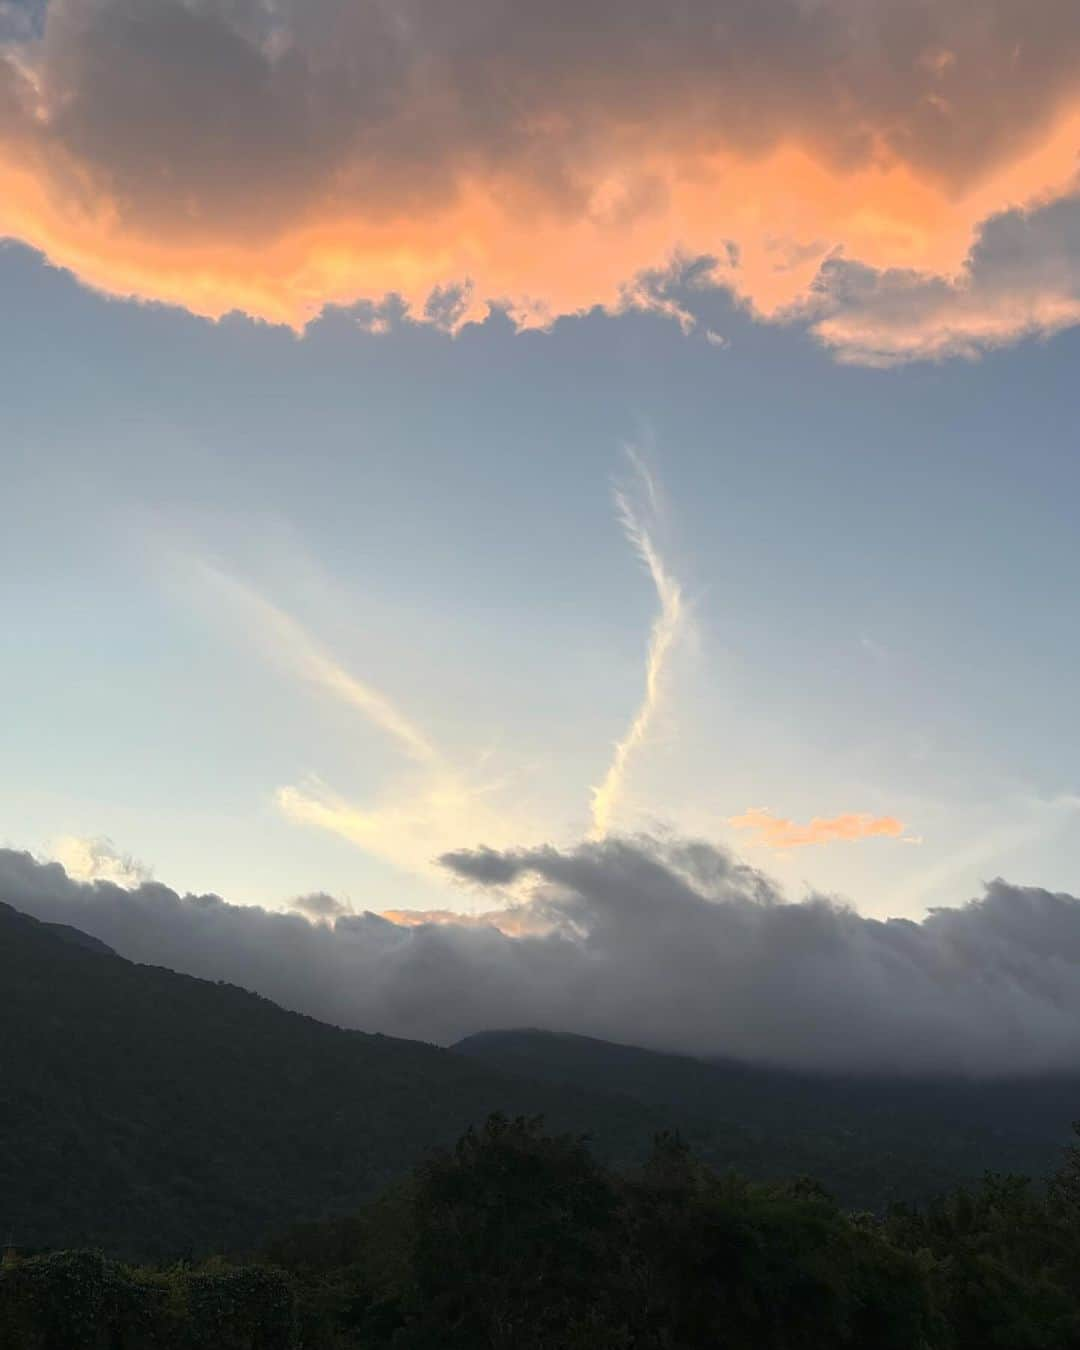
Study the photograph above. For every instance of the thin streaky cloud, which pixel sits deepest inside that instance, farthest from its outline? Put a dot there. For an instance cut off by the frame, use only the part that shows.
(421, 812)
(411, 821)
(291, 643)
(1031, 820)
(423, 809)
(666, 629)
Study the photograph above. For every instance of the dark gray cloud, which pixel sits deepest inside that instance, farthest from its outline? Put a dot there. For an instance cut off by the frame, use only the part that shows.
(484, 865)
(229, 108)
(671, 944)
(320, 906)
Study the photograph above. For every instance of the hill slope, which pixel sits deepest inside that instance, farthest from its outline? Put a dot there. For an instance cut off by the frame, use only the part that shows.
(869, 1140)
(153, 1114)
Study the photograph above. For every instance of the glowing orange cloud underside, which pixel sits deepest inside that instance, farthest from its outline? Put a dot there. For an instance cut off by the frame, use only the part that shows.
(774, 208)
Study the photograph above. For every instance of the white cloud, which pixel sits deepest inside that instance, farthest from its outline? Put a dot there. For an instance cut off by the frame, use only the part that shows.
(98, 859)
(639, 510)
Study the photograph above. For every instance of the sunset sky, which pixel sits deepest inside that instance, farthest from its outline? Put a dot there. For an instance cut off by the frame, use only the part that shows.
(429, 427)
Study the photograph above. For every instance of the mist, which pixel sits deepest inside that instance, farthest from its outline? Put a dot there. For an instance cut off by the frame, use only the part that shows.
(667, 943)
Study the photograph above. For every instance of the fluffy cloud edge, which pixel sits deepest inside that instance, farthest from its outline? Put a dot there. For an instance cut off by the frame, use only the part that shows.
(672, 944)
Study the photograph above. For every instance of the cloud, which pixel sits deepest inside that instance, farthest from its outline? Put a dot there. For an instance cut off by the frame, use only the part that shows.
(279, 157)
(99, 859)
(320, 907)
(289, 643)
(1021, 278)
(484, 866)
(415, 815)
(426, 805)
(515, 921)
(666, 629)
(673, 944)
(776, 832)
(432, 803)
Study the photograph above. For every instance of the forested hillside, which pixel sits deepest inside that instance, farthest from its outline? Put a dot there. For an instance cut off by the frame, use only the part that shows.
(152, 1114)
(870, 1140)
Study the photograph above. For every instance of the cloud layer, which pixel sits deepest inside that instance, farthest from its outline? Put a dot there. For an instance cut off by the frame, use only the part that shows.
(670, 944)
(276, 156)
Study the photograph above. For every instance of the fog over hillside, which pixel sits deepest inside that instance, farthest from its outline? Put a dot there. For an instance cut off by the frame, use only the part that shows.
(669, 944)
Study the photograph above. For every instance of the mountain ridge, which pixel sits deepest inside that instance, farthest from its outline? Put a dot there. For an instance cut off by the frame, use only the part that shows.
(155, 1114)
(75, 937)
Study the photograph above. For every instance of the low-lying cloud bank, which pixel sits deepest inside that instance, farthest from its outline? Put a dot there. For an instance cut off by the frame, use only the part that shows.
(670, 944)
(275, 156)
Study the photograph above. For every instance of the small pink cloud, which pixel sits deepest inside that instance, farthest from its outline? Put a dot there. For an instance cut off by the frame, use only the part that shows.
(776, 832)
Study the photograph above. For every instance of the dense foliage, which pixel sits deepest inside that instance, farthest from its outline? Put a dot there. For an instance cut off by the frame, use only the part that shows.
(521, 1240)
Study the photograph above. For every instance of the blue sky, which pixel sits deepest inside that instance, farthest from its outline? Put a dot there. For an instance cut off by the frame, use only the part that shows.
(878, 567)
(496, 466)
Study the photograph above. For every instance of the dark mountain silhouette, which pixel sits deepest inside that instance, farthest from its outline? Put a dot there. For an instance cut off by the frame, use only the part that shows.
(74, 936)
(150, 1113)
(870, 1140)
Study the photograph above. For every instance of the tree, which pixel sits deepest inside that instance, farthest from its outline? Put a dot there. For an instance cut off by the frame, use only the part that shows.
(513, 1230)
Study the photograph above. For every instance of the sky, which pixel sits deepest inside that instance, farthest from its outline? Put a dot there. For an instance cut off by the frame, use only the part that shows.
(547, 427)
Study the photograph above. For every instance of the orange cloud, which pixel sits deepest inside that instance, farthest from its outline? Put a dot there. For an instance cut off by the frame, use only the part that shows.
(775, 832)
(522, 921)
(236, 155)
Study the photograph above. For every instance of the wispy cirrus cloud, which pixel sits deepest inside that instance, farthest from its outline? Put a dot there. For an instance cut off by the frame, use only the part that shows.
(776, 832)
(287, 642)
(639, 509)
(229, 154)
(410, 817)
(434, 801)
(424, 806)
